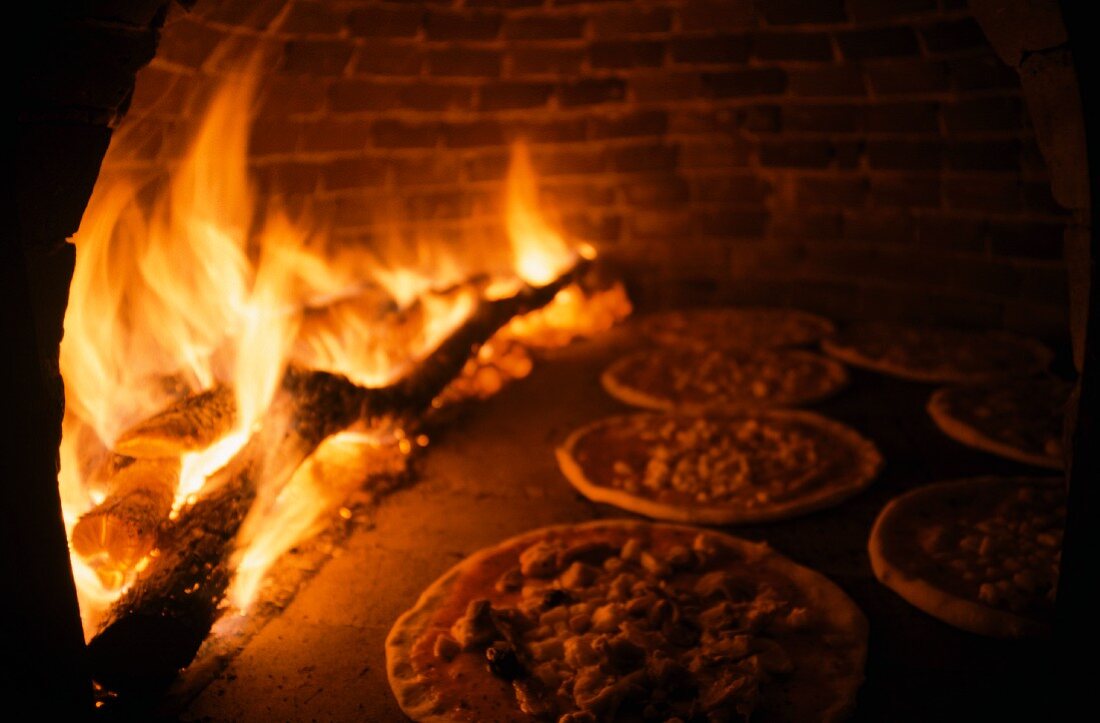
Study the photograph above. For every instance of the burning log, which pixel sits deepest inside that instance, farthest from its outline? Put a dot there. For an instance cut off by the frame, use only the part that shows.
(122, 530)
(192, 423)
(139, 481)
(156, 628)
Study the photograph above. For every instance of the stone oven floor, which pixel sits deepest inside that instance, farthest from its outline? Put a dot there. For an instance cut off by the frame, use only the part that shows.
(491, 473)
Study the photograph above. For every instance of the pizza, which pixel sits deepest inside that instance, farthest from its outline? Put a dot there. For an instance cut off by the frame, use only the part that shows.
(1020, 420)
(700, 382)
(980, 554)
(938, 355)
(735, 328)
(750, 467)
(628, 621)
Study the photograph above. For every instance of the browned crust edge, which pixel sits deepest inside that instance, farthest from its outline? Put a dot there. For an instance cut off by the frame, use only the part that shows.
(414, 696)
(971, 436)
(870, 464)
(835, 372)
(850, 355)
(924, 594)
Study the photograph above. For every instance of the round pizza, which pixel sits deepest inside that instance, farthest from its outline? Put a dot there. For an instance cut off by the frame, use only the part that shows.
(980, 554)
(735, 328)
(750, 467)
(928, 354)
(700, 382)
(629, 621)
(1020, 420)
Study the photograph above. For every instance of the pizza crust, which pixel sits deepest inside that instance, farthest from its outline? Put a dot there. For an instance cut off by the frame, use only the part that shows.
(926, 595)
(830, 377)
(940, 411)
(848, 347)
(839, 615)
(869, 464)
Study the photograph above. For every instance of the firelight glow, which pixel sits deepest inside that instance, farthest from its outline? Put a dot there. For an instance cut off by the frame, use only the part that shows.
(188, 281)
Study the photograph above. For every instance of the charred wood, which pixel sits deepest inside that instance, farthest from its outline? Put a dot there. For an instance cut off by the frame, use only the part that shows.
(156, 628)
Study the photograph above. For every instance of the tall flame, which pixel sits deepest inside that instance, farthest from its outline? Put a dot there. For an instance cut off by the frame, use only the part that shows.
(187, 282)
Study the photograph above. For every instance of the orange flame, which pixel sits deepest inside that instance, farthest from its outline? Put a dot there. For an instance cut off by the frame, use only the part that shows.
(187, 282)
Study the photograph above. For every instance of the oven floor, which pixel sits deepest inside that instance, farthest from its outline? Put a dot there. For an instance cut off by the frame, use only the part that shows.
(491, 473)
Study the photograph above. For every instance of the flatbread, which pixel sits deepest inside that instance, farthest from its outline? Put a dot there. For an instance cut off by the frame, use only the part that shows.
(937, 355)
(1021, 420)
(751, 467)
(980, 554)
(716, 382)
(742, 328)
(602, 620)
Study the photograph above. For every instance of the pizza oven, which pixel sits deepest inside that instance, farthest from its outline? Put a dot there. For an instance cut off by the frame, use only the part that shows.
(303, 294)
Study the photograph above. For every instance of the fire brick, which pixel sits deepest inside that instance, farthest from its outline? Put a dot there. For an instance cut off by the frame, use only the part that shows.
(348, 96)
(316, 57)
(286, 95)
(953, 36)
(354, 173)
(398, 134)
(907, 76)
(710, 15)
(626, 54)
(984, 156)
(792, 46)
(984, 114)
(539, 60)
(717, 49)
(834, 192)
(448, 25)
(877, 43)
(984, 72)
(436, 96)
(749, 191)
(632, 159)
(385, 22)
(754, 81)
(904, 155)
(787, 153)
(827, 82)
(542, 27)
(473, 135)
(657, 193)
(630, 21)
(311, 16)
(823, 118)
(591, 91)
(382, 58)
(190, 43)
(816, 225)
(1028, 240)
(420, 170)
(564, 130)
(273, 137)
(863, 10)
(794, 12)
(890, 191)
(663, 87)
(645, 123)
(510, 95)
(464, 62)
(983, 194)
(728, 223)
(245, 13)
(903, 118)
(332, 135)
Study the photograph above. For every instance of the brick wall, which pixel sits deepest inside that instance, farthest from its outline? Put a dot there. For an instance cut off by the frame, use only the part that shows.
(861, 157)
